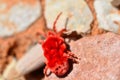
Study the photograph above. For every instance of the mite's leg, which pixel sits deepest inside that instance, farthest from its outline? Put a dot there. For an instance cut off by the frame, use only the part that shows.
(50, 33)
(54, 24)
(46, 71)
(42, 33)
(40, 41)
(42, 36)
(61, 32)
(73, 57)
(65, 29)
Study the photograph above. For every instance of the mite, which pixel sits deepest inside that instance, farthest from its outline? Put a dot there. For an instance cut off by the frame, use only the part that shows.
(56, 52)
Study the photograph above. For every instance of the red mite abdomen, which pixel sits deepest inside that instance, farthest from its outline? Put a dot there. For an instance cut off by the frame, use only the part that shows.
(61, 69)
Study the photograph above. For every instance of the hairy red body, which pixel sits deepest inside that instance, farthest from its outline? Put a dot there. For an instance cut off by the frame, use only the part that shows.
(56, 52)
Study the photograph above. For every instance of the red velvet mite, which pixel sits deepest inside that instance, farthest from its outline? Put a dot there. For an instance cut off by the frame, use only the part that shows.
(56, 52)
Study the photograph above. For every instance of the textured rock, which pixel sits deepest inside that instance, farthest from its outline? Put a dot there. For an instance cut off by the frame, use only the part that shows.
(31, 61)
(107, 15)
(10, 72)
(18, 44)
(116, 3)
(78, 14)
(9, 68)
(17, 15)
(99, 58)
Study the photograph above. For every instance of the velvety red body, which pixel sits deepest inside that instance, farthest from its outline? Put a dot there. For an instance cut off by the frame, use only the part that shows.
(55, 52)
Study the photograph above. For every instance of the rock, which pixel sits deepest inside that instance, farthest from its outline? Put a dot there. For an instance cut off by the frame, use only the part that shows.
(17, 15)
(107, 15)
(76, 14)
(99, 58)
(1, 78)
(116, 3)
(10, 72)
(9, 67)
(18, 44)
(31, 61)
(4, 50)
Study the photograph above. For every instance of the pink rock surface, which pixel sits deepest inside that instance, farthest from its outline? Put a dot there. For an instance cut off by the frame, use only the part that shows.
(99, 58)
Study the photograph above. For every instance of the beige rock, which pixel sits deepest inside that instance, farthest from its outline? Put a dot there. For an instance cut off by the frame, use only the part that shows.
(20, 42)
(1, 78)
(99, 58)
(116, 3)
(17, 15)
(31, 61)
(107, 15)
(77, 11)
(10, 73)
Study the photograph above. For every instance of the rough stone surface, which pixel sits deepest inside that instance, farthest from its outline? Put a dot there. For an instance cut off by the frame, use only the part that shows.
(10, 73)
(116, 3)
(18, 44)
(31, 61)
(78, 14)
(107, 15)
(17, 15)
(99, 58)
